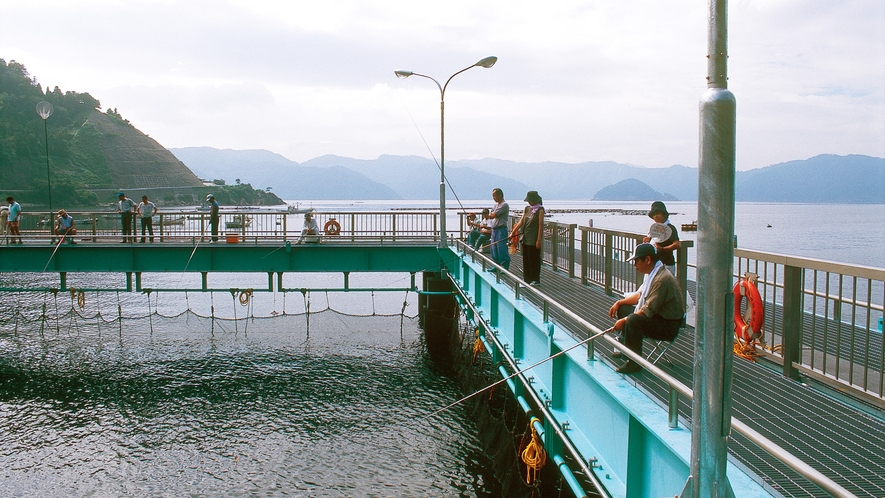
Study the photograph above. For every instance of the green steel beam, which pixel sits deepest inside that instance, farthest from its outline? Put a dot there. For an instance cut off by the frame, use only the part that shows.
(204, 258)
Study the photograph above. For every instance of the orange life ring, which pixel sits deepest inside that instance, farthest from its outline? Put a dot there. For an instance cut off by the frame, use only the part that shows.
(332, 227)
(748, 329)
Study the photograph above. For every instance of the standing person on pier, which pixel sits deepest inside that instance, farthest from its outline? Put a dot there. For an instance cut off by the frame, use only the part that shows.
(498, 217)
(146, 211)
(531, 230)
(126, 208)
(12, 222)
(213, 217)
(666, 247)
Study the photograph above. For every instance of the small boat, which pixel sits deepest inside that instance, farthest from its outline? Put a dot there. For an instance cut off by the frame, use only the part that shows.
(173, 220)
(690, 227)
(296, 209)
(239, 221)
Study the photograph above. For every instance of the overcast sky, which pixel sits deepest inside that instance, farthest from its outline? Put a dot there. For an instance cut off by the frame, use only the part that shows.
(576, 81)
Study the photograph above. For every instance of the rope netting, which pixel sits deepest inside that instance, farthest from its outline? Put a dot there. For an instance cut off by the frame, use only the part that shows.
(55, 310)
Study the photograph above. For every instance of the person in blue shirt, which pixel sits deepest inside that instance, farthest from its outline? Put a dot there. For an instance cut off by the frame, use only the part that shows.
(15, 215)
(64, 227)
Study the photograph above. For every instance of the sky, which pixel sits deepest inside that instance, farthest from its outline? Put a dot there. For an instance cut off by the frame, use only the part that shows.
(575, 81)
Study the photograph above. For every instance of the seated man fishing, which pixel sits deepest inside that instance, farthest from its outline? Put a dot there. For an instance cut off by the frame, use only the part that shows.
(64, 227)
(656, 310)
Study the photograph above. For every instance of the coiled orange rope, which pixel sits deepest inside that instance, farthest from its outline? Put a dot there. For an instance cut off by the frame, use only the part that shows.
(478, 347)
(533, 455)
(80, 296)
(245, 296)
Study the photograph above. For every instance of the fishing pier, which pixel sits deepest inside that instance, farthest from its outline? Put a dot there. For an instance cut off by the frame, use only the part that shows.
(807, 401)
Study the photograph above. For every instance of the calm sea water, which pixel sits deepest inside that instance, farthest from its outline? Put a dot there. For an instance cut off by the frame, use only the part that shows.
(330, 404)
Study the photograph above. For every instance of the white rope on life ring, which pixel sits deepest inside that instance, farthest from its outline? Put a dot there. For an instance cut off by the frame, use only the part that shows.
(332, 227)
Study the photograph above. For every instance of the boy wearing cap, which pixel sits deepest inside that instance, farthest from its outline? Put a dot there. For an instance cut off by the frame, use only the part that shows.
(659, 214)
(656, 310)
(126, 208)
(146, 211)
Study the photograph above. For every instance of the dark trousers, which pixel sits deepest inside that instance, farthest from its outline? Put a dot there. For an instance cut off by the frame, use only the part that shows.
(147, 224)
(126, 218)
(531, 263)
(213, 224)
(639, 326)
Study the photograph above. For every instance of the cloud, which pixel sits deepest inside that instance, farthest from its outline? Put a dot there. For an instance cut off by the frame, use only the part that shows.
(575, 80)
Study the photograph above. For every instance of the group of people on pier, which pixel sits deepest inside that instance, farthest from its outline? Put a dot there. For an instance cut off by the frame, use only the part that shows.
(655, 310)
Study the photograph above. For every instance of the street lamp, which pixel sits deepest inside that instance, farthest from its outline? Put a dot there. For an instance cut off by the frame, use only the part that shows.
(44, 110)
(486, 63)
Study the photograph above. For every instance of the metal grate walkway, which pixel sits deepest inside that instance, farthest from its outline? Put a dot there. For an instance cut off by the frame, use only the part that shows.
(843, 442)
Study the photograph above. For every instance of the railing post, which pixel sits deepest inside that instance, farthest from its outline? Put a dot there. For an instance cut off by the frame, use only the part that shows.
(585, 256)
(682, 269)
(792, 324)
(554, 246)
(571, 250)
(609, 262)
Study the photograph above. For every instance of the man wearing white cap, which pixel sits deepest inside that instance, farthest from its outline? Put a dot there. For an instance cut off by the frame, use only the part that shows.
(656, 310)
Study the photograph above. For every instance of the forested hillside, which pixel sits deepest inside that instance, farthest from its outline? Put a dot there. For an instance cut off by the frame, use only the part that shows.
(92, 154)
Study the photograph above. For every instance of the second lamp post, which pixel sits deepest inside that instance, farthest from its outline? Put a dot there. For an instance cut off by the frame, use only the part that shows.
(486, 63)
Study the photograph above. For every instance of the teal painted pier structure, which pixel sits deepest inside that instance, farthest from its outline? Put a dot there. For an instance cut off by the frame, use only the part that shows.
(606, 434)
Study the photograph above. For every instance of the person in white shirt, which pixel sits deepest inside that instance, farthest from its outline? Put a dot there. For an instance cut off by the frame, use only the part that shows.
(311, 232)
(146, 210)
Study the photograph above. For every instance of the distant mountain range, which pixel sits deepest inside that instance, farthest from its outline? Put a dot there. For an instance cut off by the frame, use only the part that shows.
(820, 179)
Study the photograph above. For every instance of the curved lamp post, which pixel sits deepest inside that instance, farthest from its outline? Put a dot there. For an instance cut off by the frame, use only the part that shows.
(44, 110)
(486, 63)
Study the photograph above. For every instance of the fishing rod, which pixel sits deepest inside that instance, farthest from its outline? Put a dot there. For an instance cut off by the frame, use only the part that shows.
(505, 379)
(60, 240)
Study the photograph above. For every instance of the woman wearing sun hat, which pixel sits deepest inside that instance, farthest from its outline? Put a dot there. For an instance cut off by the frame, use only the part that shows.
(531, 230)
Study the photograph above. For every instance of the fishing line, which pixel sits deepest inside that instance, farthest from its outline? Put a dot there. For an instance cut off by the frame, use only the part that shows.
(445, 178)
(505, 379)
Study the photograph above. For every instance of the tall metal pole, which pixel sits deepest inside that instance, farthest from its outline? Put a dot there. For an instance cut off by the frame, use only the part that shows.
(442, 169)
(713, 359)
(48, 177)
(486, 63)
(44, 110)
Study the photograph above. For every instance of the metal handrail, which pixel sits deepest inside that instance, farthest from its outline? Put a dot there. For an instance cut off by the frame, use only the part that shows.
(769, 446)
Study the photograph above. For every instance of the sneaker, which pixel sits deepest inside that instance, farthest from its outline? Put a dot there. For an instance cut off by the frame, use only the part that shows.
(535, 284)
(617, 354)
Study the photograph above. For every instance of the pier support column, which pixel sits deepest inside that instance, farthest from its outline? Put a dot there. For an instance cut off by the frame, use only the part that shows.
(438, 315)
